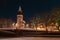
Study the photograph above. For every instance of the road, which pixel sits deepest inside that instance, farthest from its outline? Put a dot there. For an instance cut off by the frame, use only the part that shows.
(31, 38)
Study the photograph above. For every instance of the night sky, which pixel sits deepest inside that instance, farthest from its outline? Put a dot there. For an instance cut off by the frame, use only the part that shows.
(9, 8)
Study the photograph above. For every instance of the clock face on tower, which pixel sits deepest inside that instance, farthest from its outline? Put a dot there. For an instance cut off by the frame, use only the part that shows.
(20, 18)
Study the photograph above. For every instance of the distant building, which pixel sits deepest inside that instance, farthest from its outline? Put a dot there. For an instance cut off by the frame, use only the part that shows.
(6, 23)
(20, 22)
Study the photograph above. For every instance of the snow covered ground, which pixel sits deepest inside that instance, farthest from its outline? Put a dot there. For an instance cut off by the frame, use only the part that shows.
(31, 38)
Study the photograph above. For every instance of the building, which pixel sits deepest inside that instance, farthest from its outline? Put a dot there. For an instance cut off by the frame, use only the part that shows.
(6, 23)
(20, 22)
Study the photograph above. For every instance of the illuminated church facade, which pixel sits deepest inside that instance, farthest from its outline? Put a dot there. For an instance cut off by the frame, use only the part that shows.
(20, 22)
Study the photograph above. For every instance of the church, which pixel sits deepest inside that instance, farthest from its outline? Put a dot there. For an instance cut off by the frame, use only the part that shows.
(20, 22)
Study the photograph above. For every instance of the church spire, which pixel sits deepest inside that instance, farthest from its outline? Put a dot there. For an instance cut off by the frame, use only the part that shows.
(19, 11)
(19, 8)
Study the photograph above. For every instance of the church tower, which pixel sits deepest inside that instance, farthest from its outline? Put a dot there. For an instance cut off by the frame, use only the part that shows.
(19, 23)
(19, 15)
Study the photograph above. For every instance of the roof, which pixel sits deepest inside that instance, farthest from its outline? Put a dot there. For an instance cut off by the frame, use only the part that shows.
(19, 11)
